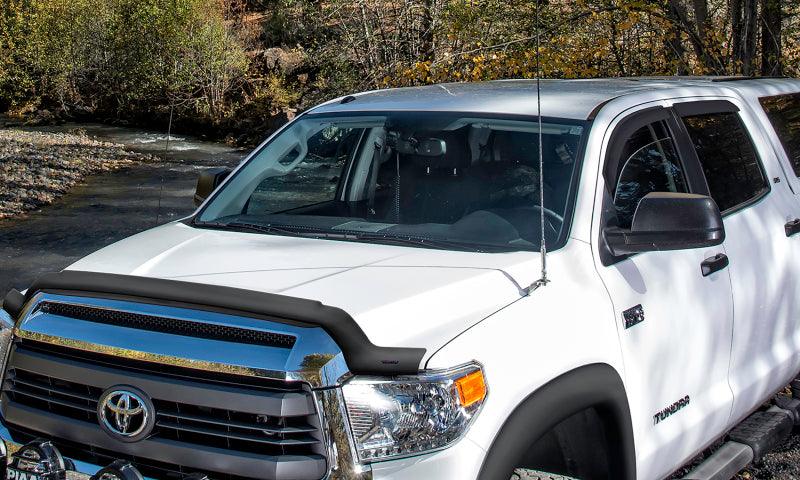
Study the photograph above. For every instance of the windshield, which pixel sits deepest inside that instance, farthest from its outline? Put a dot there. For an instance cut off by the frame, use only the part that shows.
(435, 180)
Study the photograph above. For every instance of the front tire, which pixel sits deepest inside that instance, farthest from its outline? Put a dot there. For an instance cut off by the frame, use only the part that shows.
(524, 474)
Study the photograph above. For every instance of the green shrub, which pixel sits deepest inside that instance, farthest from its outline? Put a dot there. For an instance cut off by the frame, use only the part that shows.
(128, 57)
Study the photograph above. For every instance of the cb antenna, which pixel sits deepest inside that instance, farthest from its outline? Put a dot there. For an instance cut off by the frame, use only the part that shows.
(166, 160)
(543, 246)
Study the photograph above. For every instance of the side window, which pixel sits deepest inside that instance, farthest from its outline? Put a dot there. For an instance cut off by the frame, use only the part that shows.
(649, 163)
(784, 114)
(728, 158)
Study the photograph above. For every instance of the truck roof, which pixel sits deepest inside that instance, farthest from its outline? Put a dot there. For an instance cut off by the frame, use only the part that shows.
(572, 99)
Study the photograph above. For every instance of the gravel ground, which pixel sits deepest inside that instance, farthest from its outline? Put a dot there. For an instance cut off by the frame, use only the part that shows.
(36, 168)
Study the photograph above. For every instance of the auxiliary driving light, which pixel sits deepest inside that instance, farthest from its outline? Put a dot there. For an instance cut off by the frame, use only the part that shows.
(3, 458)
(37, 460)
(118, 470)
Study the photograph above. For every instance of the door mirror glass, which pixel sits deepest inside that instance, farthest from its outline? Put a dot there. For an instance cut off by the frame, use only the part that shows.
(208, 181)
(669, 221)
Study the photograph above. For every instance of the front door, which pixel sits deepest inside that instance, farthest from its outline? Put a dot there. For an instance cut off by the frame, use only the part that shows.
(674, 324)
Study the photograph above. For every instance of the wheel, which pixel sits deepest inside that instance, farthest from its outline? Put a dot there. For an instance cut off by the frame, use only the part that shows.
(524, 474)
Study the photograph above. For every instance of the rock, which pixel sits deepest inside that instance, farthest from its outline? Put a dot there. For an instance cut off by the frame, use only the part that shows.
(282, 59)
(38, 167)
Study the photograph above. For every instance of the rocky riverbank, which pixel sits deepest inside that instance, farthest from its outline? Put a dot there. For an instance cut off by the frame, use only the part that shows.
(36, 168)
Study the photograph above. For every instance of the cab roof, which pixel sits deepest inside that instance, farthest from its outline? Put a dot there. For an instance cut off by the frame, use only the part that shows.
(571, 99)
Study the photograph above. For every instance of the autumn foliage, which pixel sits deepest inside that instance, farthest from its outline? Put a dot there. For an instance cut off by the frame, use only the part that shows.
(235, 65)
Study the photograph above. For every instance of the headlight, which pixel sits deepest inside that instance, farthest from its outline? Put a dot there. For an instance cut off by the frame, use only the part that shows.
(409, 415)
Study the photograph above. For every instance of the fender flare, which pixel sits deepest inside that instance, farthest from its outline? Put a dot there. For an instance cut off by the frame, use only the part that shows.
(596, 385)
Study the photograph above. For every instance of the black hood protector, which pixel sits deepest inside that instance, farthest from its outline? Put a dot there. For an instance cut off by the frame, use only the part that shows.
(361, 355)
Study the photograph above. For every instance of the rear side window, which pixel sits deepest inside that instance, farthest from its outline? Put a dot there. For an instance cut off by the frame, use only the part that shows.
(728, 158)
(649, 163)
(784, 114)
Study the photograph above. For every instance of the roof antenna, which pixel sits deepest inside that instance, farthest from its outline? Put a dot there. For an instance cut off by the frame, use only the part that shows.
(543, 247)
(166, 153)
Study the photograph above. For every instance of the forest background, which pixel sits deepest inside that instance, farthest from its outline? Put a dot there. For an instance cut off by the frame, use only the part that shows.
(237, 69)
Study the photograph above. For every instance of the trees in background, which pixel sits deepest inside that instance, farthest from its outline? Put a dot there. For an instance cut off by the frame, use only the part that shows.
(120, 58)
(476, 40)
(234, 64)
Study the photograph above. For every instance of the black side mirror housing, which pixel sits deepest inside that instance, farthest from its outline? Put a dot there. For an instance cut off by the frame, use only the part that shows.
(669, 221)
(208, 181)
(13, 303)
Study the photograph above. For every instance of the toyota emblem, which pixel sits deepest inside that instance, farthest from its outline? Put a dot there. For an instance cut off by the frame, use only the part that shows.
(126, 413)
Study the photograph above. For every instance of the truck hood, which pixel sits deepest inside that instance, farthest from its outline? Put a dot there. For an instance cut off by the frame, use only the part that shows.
(400, 296)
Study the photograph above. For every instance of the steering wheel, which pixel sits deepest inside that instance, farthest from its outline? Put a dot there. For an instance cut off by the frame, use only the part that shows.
(550, 214)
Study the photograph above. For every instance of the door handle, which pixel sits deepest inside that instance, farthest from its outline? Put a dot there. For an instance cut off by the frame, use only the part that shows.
(793, 227)
(714, 264)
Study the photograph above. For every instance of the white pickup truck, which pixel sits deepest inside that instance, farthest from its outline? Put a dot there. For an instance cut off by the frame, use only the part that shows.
(364, 298)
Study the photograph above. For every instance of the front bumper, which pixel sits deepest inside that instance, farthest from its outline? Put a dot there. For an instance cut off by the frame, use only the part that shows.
(462, 461)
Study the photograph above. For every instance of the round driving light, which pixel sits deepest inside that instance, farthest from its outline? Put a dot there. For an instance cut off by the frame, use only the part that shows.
(118, 470)
(38, 460)
(3, 458)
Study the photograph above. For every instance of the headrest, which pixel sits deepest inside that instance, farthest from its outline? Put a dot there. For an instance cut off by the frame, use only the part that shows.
(515, 147)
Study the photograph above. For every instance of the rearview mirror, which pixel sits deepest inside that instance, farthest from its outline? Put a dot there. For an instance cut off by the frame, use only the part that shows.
(669, 221)
(209, 180)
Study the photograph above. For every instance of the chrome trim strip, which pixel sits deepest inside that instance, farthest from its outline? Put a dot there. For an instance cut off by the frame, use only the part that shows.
(315, 358)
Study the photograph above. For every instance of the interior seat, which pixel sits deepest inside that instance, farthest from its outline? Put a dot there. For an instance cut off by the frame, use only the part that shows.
(438, 189)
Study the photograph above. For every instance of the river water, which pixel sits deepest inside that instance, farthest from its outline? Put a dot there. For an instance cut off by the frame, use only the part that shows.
(110, 206)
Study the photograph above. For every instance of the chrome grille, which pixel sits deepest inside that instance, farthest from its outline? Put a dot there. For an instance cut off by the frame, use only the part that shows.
(37, 380)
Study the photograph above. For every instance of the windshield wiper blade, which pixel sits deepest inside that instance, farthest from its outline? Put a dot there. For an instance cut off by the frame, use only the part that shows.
(428, 242)
(269, 229)
(324, 234)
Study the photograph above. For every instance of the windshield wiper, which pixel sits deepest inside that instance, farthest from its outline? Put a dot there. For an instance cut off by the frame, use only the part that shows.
(430, 243)
(270, 229)
(324, 234)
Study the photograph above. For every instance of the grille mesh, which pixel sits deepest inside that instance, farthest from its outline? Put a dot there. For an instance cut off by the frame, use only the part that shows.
(168, 325)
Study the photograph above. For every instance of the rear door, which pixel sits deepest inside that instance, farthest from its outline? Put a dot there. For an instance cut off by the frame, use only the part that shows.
(746, 180)
(674, 324)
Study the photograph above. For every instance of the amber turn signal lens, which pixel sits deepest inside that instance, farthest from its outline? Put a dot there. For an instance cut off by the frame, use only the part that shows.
(471, 388)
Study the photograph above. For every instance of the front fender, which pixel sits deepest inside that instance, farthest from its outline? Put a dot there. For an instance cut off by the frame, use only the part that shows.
(557, 330)
(597, 386)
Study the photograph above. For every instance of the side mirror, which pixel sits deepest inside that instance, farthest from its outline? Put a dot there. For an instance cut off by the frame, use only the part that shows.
(669, 221)
(209, 180)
